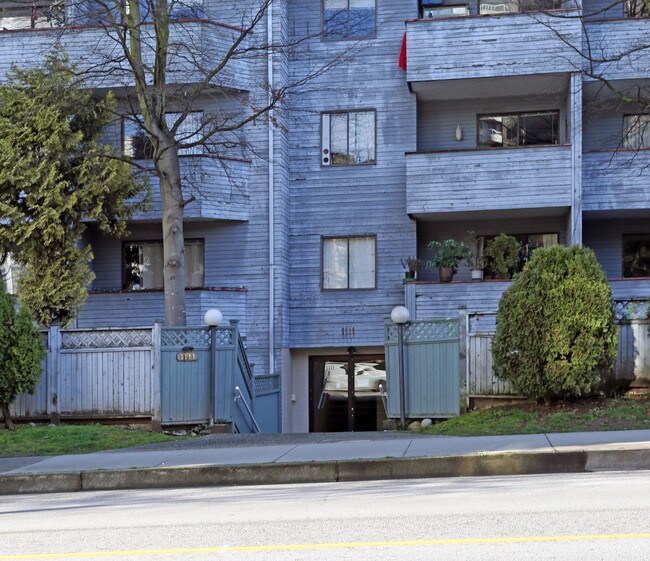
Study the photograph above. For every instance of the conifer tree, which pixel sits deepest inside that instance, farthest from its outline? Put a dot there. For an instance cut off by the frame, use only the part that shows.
(55, 176)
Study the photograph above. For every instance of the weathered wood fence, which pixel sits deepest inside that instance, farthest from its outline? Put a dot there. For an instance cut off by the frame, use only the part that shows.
(101, 374)
(631, 367)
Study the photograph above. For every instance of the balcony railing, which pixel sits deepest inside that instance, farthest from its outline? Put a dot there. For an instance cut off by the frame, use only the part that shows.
(488, 179)
(615, 179)
(512, 44)
(219, 187)
(619, 49)
(196, 43)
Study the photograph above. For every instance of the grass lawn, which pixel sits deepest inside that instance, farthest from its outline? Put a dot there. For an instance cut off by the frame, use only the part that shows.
(44, 440)
(598, 414)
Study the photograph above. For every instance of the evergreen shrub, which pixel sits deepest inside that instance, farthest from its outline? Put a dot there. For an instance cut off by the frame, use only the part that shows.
(555, 325)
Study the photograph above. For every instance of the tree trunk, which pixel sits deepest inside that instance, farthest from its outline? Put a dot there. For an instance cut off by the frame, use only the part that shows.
(7, 417)
(171, 196)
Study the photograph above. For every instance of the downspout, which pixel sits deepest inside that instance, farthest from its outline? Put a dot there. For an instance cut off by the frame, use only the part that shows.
(271, 139)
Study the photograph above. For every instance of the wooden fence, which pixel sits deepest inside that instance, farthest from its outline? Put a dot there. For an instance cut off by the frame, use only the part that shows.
(631, 367)
(118, 374)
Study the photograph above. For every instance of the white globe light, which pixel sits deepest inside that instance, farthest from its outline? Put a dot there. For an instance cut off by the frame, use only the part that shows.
(400, 314)
(213, 317)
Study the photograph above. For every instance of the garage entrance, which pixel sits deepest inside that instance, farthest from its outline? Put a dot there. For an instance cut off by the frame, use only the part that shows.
(342, 402)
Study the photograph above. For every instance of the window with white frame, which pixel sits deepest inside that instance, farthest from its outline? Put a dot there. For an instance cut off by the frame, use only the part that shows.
(348, 138)
(143, 264)
(349, 263)
(349, 19)
(137, 145)
(636, 131)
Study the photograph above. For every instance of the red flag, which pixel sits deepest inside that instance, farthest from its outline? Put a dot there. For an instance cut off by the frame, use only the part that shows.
(402, 54)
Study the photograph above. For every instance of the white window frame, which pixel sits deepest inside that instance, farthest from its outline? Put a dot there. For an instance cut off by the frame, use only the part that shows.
(327, 285)
(188, 132)
(326, 138)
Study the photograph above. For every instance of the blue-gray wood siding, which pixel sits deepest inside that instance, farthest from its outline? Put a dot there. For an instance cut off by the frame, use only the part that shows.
(490, 179)
(616, 180)
(193, 47)
(348, 200)
(619, 49)
(505, 45)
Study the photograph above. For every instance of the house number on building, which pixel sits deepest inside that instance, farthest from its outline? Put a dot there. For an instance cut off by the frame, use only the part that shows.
(187, 356)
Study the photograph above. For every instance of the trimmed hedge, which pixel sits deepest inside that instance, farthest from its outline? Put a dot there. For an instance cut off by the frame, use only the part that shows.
(555, 326)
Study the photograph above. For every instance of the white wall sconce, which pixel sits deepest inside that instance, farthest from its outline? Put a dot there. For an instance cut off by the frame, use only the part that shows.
(459, 133)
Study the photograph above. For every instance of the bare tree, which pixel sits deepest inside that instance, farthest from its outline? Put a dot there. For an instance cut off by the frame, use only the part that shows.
(166, 58)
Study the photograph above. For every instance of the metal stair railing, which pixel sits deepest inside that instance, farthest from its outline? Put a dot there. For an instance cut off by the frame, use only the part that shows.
(239, 395)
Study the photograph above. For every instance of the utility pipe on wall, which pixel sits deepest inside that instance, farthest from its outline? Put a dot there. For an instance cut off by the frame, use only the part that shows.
(271, 139)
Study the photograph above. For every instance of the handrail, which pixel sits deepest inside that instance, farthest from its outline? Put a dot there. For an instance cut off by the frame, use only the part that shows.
(382, 393)
(239, 395)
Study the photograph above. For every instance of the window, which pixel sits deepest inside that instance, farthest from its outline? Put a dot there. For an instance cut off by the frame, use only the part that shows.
(349, 263)
(522, 129)
(510, 6)
(348, 138)
(636, 9)
(636, 131)
(348, 19)
(636, 255)
(36, 15)
(137, 145)
(143, 265)
(433, 12)
(528, 243)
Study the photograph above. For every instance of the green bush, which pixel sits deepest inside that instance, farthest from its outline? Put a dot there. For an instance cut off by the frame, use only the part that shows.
(502, 254)
(555, 326)
(21, 353)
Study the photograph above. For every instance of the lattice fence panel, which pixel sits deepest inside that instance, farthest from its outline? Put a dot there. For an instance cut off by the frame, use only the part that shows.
(266, 384)
(626, 310)
(426, 331)
(110, 339)
(197, 338)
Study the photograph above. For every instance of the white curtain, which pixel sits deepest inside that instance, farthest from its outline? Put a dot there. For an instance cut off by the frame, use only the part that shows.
(362, 262)
(335, 263)
(636, 133)
(151, 263)
(194, 264)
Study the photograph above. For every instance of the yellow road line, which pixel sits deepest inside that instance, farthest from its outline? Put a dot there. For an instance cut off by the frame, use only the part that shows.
(321, 546)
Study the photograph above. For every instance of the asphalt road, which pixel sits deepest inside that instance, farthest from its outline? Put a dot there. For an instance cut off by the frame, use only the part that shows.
(573, 517)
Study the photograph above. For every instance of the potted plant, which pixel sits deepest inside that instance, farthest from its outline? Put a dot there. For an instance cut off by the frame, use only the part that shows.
(478, 263)
(447, 256)
(412, 265)
(502, 254)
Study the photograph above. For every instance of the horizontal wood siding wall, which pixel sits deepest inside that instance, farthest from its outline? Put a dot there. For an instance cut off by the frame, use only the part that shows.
(131, 309)
(605, 238)
(91, 44)
(507, 45)
(488, 180)
(219, 186)
(348, 200)
(443, 300)
(622, 46)
(616, 180)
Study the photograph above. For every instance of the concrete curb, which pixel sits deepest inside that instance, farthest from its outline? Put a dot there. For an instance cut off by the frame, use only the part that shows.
(501, 463)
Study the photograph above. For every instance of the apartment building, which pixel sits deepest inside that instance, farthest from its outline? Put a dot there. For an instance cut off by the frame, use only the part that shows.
(433, 120)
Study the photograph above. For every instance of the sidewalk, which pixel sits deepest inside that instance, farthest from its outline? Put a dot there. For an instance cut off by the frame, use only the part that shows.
(268, 459)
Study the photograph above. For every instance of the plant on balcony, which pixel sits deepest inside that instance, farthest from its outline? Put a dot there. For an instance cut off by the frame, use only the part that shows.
(411, 265)
(502, 255)
(447, 256)
(555, 325)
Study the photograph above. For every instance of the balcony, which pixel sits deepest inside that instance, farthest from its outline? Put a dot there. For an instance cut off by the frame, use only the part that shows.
(614, 180)
(622, 45)
(194, 45)
(219, 186)
(488, 179)
(512, 44)
(122, 308)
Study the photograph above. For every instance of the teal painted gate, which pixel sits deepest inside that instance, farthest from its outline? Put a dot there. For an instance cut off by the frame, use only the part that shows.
(185, 378)
(431, 368)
